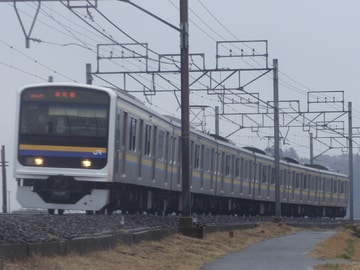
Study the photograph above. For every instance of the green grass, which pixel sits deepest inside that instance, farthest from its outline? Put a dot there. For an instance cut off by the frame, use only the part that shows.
(349, 250)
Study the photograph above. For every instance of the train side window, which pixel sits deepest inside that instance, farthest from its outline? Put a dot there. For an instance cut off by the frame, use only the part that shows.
(207, 159)
(125, 129)
(160, 145)
(197, 157)
(335, 186)
(313, 183)
(285, 177)
(259, 172)
(342, 187)
(264, 174)
(227, 165)
(305, 181)
(246, 169)
(327, 187)
(346, 191)
(147, 140)
(272, 176)
(132, 139)
(174, 150)
(237, 167)
(297, 180)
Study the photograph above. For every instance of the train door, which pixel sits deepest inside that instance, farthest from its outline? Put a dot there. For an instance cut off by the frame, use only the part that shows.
(204, 166)
(242, 176)
(179, 155)
(212, 169)
(167, 156)
(140, 149)
(232, 173)
(153, 162)
(293, 180)
(259, 179)
(117, 144)
(123, 142)
(173, 160)
(222, 172)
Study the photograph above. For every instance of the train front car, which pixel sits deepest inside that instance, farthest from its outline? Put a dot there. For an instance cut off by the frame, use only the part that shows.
(64, 136)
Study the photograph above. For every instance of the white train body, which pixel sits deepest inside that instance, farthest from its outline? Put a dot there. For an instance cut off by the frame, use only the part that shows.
(90, 148)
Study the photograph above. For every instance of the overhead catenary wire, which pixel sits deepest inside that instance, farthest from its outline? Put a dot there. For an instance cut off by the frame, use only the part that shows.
(296, 87)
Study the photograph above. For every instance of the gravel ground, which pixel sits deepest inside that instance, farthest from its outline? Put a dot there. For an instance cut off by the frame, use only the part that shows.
(39, 228)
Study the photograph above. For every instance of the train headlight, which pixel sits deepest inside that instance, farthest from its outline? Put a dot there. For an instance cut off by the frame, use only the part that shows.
(86, 163)
(38, 161)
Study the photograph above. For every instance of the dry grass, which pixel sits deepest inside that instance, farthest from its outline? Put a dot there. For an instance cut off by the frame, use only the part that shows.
(343, 246)
(175, 252)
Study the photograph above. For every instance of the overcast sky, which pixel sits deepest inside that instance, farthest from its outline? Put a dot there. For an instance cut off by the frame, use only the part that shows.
(315, 42)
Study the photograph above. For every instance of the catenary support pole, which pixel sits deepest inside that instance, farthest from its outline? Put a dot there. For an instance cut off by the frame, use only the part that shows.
(276, 141)
(4, 190)
(311, 148)
(351, 168)
(186, 219)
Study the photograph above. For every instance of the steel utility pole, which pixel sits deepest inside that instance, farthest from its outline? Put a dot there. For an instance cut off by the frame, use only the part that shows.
(186, 219)
(277, 142)
(351, 168)
(4, 190)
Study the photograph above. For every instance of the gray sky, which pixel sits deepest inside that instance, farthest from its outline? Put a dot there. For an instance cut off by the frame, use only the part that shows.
(315, 43)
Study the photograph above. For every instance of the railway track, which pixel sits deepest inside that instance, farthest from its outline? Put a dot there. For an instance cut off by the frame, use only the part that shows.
(45, 228)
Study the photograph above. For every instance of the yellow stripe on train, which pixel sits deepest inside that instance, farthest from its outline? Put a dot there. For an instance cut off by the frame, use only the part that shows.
(61, 148)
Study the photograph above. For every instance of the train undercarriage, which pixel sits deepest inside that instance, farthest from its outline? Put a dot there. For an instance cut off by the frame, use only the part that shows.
(135, 199)
(138, 199)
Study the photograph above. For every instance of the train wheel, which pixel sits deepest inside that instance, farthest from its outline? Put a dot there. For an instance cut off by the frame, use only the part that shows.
(60, 212)
(109, 210)
(51, 211)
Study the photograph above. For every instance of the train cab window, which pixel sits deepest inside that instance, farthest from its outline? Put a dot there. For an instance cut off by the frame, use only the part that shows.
(147, 140)
(132, 136)
(160, 145)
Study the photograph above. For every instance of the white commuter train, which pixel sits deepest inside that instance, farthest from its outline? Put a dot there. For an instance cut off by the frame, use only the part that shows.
(91, 148)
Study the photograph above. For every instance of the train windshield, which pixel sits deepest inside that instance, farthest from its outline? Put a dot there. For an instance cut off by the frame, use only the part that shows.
(66, 120)
(69, 115)
(52, 118)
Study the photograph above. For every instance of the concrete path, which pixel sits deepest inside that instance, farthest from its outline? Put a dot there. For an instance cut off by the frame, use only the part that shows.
(283, 253)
